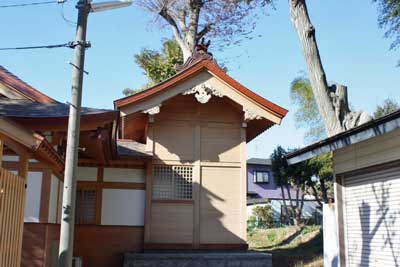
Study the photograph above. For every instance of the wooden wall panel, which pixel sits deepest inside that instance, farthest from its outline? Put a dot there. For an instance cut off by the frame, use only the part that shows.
(33, 245)
(99, 246)
(171, 223)
(220, 143)
(12, 203)
(220, 205)
(186, 107)
(377, 150)
(174, 141)
(187, 132)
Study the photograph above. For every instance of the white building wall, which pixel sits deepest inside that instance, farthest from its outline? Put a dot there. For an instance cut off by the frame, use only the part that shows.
(10, 158)
(124, 175)
(87, 174)
(33, 194)
(309, 208)
(123, 207)
(60, 198)
(53, 199)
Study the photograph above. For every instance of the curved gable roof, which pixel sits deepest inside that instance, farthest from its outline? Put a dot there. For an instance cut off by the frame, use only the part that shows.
(188, 73)
(14, 83)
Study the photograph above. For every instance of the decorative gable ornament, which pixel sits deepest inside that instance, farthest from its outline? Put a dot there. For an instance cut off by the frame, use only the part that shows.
(203, 93)
(251, 115)
(153, 111)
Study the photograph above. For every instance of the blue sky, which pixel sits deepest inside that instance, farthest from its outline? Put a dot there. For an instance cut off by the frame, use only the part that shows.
(352, 47)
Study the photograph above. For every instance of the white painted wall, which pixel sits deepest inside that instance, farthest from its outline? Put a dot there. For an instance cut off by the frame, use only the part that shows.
(87, 174)
(10, 158)
(15, 158)
(53, 199)
(123, 207)
(331, 242)
(33, 193)
(60, 198)
(308, 209)
(124, 175)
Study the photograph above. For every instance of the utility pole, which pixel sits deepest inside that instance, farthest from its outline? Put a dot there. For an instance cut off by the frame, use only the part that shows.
(71, 158)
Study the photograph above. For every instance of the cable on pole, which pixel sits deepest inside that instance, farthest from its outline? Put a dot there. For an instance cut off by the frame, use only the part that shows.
(69, 45)
(33, 3)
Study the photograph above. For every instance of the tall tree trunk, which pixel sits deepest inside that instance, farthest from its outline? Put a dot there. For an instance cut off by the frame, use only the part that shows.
(324, 191)
(322, 93)
(185, 27)
(285, 204)
(315, 193)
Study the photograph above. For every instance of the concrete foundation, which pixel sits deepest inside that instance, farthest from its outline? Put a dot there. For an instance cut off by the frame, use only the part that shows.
(197, 259)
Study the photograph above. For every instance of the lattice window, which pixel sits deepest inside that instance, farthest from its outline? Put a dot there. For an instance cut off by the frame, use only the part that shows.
(172, 182)
(86, 206)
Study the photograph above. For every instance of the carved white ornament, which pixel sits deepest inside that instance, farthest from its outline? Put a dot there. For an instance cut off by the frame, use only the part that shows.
(203, 92)
(251, 115)
(153, 110)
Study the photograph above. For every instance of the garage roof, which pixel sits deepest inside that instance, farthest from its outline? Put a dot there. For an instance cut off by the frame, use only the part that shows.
(355, 135)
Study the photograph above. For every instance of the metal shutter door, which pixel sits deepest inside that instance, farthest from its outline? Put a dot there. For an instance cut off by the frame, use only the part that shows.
(372, 218)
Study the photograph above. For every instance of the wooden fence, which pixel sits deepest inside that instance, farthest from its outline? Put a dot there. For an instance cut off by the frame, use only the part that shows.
(12, 204)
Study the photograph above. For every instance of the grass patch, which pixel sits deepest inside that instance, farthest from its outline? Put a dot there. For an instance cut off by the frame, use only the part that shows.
(290, 246)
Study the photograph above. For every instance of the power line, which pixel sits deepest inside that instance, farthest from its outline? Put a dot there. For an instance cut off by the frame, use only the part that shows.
(34, 4)
(69, 22)
(69, 45)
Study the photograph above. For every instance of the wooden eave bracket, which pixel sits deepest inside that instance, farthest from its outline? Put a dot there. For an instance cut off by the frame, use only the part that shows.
(24, 140)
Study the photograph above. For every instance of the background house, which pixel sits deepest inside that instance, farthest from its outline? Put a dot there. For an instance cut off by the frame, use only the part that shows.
(263, 190)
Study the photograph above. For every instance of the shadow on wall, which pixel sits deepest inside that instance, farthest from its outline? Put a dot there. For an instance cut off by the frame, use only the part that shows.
(219, 209)
(220, 219)
(384, 226)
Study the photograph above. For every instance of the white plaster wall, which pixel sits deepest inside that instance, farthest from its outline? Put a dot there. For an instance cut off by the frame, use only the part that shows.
(60, 198)
(308, 209)
(53, 199)
(33, 193)
(15, 158)
(123, 207)
(10, 158)
(87, 174)
(124, 175)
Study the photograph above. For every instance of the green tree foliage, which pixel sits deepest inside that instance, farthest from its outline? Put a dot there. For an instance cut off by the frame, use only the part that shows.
(388, 106)
(261, 217)
(322, 183)
(306, 115)
(158, 65)
(389, 19)
(290, 178)
(314, 176)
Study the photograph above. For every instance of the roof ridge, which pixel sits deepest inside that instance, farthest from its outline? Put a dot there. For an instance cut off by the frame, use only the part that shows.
(23, 87)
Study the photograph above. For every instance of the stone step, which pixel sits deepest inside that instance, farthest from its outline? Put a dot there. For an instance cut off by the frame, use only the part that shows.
(198, 259)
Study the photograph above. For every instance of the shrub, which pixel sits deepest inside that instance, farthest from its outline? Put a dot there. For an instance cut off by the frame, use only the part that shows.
(262, 217)
(251, 225)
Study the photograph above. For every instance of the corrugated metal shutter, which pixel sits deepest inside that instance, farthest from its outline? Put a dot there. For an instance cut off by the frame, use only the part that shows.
(372, 218)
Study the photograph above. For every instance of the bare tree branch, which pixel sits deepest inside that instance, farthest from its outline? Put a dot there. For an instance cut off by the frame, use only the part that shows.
(206, 29)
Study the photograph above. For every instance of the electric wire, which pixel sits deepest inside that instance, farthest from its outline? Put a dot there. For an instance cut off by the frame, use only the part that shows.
(37, 47)
(32, 4)
(69, 22)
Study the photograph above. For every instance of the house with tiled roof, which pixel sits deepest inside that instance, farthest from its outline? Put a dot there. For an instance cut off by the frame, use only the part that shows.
(166, 169)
